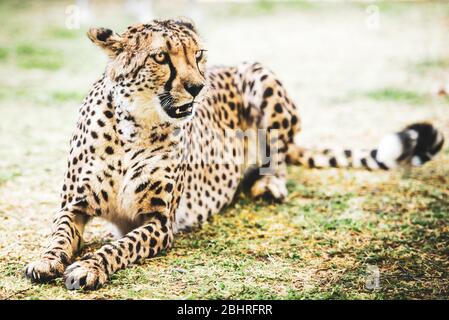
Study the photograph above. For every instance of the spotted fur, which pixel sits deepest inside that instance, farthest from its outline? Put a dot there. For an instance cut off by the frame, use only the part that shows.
(161, 144)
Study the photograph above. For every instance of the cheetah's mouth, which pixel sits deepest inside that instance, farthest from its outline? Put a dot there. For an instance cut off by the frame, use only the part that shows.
(178, 112)
(175, 112)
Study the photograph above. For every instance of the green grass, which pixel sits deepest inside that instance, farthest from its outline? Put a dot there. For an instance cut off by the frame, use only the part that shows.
(398, 95)
(7, 7)
(258, 251)
(430, 64)
(433, 63)
(66, 96)
(3, 54)
(34, 57)
(34, 95)
(63, 33)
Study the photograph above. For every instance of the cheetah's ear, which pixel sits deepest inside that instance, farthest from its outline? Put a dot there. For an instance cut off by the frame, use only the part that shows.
(106, 39)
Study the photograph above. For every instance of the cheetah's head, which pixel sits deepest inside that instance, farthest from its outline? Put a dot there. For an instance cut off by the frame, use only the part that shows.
(156, 67)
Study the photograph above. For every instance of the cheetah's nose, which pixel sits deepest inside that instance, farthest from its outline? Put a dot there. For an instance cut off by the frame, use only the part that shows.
(193, 89)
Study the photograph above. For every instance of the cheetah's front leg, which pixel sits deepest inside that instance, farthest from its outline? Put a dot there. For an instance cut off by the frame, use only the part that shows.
(66, 239)
(94, 269)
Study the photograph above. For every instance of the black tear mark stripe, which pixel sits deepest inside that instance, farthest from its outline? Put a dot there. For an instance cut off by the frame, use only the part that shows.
(169, 84)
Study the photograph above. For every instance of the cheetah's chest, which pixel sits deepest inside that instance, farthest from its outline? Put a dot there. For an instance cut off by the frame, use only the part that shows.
(215, 163)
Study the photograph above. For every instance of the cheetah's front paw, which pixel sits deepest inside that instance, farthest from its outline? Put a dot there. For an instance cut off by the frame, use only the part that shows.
(269, 188)
(44, 270)
(85, 274)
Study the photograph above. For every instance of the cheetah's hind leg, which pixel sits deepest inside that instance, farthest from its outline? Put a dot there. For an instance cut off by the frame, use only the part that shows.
(276, 119)
(269, 188)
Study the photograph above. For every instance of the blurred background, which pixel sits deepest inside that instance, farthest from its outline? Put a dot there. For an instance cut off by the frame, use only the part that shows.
(356, 69)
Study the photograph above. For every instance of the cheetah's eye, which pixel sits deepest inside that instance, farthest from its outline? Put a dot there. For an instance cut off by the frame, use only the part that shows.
(199, 55)
(161, 57)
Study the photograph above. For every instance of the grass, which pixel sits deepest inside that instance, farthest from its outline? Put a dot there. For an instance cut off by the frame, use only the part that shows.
(62, 33)
(322, 243)
(33, 57)
(34, 95)
(398, 95)
(3, 54)
(431, 64)
(65, 96)
(319, 250)
(9, 174)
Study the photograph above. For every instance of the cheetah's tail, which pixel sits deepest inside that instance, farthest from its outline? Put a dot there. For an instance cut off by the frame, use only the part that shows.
(414, 145)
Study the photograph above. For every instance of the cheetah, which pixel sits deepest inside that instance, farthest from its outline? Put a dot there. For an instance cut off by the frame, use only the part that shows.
(162, 143)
